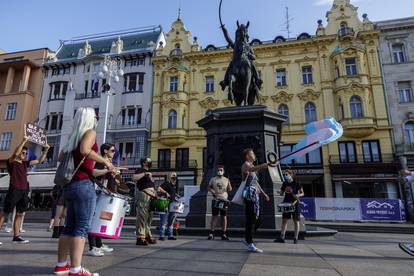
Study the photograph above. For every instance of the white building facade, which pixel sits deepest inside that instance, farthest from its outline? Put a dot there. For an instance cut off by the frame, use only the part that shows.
(397, 54)
(71, 80)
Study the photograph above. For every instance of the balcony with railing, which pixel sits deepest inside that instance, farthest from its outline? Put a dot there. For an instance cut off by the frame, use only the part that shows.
(175, 164)
(404, 148)
(346, 164)
(173, 137)
(120, 126)
(358, 127)
(82, 96)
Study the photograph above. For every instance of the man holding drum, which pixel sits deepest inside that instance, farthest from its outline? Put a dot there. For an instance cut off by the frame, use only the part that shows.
(219, 186)
(293, 192)
(145, 192)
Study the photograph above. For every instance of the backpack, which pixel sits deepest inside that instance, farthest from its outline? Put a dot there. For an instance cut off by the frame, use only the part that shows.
(66, 169)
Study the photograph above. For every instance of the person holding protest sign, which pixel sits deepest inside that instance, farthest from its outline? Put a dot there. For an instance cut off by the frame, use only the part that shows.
(17, 195)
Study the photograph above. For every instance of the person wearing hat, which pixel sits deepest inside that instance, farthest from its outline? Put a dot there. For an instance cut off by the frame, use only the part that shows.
(145, 191)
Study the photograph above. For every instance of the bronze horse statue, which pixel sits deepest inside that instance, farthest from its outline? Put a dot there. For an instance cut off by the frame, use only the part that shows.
(241, 76)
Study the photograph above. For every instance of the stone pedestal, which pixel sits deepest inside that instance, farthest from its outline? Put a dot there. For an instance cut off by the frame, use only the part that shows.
(230, 131)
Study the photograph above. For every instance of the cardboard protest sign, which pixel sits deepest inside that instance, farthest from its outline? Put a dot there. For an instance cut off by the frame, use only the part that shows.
(36, 134)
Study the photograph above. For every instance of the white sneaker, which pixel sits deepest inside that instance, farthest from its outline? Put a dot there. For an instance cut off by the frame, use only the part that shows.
(95, 252)
(411, 247)
(106, 249)
(254, 249)
(7, 230)
(1, 243)
(22, 231)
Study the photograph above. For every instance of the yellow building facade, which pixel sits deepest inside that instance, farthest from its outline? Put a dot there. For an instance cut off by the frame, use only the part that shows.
(336, 72)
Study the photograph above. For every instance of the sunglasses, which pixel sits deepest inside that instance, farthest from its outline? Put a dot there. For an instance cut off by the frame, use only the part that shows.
(112, 150)
(24, 153)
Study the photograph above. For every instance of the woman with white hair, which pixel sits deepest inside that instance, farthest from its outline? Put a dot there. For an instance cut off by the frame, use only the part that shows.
(79, 194)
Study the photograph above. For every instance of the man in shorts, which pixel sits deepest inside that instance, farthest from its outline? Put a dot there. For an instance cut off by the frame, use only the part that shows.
(293, 192)
(219, 186)
(17, 195)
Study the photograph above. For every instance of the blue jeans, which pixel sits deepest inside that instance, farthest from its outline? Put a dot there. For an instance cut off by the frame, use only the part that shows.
(80, 200)
(168, 219)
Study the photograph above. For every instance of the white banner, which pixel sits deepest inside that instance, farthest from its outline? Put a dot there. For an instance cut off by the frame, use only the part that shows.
(338, 209)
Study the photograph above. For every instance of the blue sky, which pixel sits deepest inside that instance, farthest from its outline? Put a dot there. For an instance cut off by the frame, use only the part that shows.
(27, 24)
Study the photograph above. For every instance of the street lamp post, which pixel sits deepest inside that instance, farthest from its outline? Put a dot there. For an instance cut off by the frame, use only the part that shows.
(111, 69)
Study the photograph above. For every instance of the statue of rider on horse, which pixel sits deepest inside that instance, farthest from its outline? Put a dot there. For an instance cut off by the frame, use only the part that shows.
(241, 75)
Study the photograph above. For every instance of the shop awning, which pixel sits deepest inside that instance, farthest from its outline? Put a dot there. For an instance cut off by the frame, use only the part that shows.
(37, 180)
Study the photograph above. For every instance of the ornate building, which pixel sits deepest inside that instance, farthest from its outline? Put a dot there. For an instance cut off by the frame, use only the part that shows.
(336, 72)
(71, 80)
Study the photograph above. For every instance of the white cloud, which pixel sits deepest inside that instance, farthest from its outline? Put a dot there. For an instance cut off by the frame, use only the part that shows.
(329, 2)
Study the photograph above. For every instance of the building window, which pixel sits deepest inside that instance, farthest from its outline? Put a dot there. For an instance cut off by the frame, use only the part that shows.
(129, 150)
(310, 112)
(173, 83)
(351, 67)
(172, 119)
(86, 87)
(135, 62)
(409, 132)
(405, 94)
(139, 115)
(355, 104)
(398, 53)
(311, 158)
(94, 87)
(343, 29)
(307, 75)
(164, 158)
(11, 111)
(134, 82)
(66, 70)
(181, 158)
(284, 110)
(60, 121)
(5, 141)
(131, 117)
(372, 152)
(54, 122)
(58, 90)
(337, 74)
(281, 77)
(347, 152)
(210, 84)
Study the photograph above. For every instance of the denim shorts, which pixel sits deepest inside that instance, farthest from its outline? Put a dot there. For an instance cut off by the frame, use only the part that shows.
(80, 201)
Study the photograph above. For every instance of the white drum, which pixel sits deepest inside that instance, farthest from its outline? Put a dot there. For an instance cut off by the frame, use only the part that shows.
(286, 207)
(109, 215)
(176, 207)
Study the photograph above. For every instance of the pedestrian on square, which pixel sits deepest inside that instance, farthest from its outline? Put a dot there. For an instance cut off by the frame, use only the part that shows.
(219, 186)
(79, 194)
(251, 197)
(18, 194)
(106, 178)
(293, 192)
(145, 193)
(170, 189)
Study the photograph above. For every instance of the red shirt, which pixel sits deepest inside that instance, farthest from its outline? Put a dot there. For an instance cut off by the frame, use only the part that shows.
(18, 174)
(86, 168)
